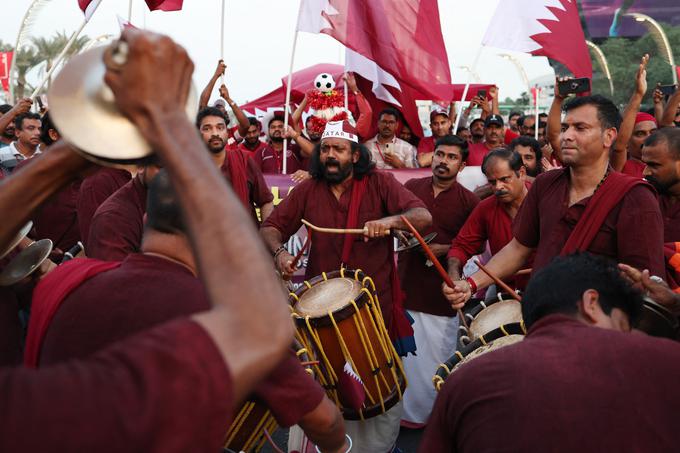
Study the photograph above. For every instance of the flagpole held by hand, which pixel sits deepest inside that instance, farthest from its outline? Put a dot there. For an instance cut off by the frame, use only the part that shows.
(537, 92)
(222, 37)
(465, 91)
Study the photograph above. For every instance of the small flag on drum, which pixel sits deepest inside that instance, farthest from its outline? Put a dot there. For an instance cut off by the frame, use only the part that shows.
(351, 388)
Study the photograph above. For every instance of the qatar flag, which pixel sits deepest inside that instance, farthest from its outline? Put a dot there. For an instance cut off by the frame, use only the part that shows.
(164, 5)
(5, 66)
(550, 28)
(351, 388)
(88, 7)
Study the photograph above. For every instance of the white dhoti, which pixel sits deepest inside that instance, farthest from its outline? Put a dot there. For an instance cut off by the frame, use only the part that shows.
(436, 341)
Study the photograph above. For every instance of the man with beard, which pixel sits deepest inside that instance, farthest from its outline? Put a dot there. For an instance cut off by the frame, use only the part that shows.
(582, 207)
(494, 134)
(528, 127)
(477, 131)
(440, 124)
(27, 128)
(269, 159)
(435, 323)
(346, 192)
(387, 150)
(252, 144)
(492, 219)
(530, 152)
(661, 154)
(513, 120)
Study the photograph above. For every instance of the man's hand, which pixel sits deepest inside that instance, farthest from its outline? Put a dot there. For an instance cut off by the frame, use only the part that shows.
(220, 70)
(291, 133)
(659, 292)
(377, 229)
(658, 96)
(284, 261)
(300, 176)
(351, 82)
(547, 165)
(142, 93)
(558, 96)
(224, 93)
(393, 160)
(458, 295)
(493, 92)
(641, 77)
(23, 106)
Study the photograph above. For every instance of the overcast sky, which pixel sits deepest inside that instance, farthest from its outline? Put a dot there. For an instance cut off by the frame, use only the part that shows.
(259, 38)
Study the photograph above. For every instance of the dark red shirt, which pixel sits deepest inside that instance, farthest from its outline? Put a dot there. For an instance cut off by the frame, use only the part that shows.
(11, 330)
(426, 145)
(314, 201)
(632, 232)
(269, 161)
(93, 191)
(477, 151)
(165, 390)
(118, 225)
(258, 191)
(633, 167)
(670, 211)
(251, 152)
(449, 210)
(567, 387)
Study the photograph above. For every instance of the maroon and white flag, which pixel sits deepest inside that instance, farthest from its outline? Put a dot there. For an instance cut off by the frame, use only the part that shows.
(351, 388)
(5, 67)
(88, 7)
(164, 5)
(550, 28)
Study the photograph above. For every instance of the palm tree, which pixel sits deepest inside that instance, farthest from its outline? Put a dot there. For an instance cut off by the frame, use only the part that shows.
(24, 60)
(49, 48)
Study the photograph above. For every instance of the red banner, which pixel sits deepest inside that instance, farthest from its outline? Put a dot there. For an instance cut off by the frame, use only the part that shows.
(5, 66)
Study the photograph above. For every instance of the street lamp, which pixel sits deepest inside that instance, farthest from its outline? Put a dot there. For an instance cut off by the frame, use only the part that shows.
(603, 64)
(472, 72)
(660, 38)
(519, 67)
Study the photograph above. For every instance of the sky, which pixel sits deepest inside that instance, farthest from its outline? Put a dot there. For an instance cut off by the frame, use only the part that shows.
(259, 38)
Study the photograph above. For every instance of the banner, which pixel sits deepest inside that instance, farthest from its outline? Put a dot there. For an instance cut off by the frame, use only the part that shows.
(282, 185)
(5, 66)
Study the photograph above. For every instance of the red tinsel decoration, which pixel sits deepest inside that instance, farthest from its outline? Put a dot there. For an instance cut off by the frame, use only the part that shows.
(317, 125)
(318, 100)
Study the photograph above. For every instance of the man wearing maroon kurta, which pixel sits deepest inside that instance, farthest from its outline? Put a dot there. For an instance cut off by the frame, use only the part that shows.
(583, 207)
(577, 382)
(492, 219)
(94, 190)
(269, 158)
(434, 321)
(346, 192)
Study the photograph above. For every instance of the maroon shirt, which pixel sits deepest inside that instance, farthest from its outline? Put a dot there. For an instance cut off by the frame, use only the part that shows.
(93, 191)
(250, 152)
(269, 161)
(567, 387)
(314, 201)
(634, 167)
(11, 330)
(258, 191)
(426, 145)
(144, 291)
(477, 151)
(632, 232)
(166, 390)
(118, 224)
(450, 209)
(670, 211)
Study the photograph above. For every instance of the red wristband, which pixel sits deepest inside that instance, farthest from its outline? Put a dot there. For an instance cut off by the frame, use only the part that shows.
(473, 285)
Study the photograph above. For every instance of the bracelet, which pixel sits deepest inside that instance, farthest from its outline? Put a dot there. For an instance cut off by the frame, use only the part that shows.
(349, 441)
(473, 285)
(279, 250)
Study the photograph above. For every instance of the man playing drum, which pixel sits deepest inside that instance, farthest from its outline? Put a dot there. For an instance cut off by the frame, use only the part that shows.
(346, 192)
(578, 381)
(585, 206)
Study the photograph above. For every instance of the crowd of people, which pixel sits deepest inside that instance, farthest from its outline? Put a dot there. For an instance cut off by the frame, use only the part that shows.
(175, 313)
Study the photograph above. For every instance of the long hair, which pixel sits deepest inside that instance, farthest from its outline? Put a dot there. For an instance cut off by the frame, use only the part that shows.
(361, 168)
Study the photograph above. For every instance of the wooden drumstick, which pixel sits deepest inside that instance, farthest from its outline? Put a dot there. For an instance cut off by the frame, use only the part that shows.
(499, 282)
(435, 261)
(336, 230)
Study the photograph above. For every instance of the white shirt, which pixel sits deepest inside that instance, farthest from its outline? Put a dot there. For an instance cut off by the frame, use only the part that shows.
(400, 148)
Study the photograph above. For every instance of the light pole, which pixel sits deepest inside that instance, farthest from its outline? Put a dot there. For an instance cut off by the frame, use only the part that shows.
(472, 72)
(603, 64)
(519, 67)
(659, 37)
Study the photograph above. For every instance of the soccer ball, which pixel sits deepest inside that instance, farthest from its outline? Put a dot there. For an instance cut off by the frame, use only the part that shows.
(324, 82)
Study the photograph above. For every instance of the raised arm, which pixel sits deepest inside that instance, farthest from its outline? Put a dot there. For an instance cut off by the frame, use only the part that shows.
(207, 91)
(23, 106)
(495, 109)
(658, 99)
(671, 110)
(250, 323)
(619, 153)
(297, 115)
(554, 123)
(243, 123)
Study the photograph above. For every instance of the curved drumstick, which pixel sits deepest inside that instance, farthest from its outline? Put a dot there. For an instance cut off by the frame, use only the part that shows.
(336, 230)
(499, 282)
(435, 261)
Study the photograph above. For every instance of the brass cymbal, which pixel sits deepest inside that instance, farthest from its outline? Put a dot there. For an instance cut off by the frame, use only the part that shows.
(83, 110)
(20, 235)
(26, 262)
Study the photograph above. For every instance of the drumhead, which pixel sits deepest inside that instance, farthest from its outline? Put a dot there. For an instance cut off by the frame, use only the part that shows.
(329, 295)
(495, 315)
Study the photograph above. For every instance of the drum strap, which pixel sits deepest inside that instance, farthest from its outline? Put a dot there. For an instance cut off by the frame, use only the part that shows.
(358, 190)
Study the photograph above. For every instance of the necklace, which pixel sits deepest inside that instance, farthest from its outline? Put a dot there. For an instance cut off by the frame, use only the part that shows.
(606, 173)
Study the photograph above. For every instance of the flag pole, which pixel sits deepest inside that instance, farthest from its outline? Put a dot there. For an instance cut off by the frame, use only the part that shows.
(537, 91)
(222, 37)
(61, 56)
(465, 91)
(288, 87)
(130, 11)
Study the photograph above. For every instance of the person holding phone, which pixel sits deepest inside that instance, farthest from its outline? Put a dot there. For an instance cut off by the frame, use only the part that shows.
(387, 150)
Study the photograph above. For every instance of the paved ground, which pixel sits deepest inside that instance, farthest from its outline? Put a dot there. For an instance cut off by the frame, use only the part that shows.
(408, 440)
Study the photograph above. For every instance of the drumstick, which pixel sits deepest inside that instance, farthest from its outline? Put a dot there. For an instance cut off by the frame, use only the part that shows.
(336, 230)
(499, 282)
(435, 261)
(524, 272)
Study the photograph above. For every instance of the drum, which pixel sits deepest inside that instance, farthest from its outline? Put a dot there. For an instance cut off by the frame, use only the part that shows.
(490, 341)
(483, 317)
(657, 321)
(339, 322)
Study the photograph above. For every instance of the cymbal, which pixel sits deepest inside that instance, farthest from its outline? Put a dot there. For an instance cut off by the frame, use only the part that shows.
(26, 262)
(413, 242)
(83, 109)
(23, 232)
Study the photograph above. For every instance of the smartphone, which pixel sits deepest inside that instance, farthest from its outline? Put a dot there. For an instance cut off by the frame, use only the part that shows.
(481, 93)
(573, 86)
(388, 150)
(667, 90)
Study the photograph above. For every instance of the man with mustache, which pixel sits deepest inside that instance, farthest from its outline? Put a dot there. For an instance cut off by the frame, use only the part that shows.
(492, 219)
(661, 154)
(440, 125)
(530, 151)
(251, 143)
(583, 207)
(434, 321)
(494, 135)
(269, 159)
(346, 192)
(387, 150)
